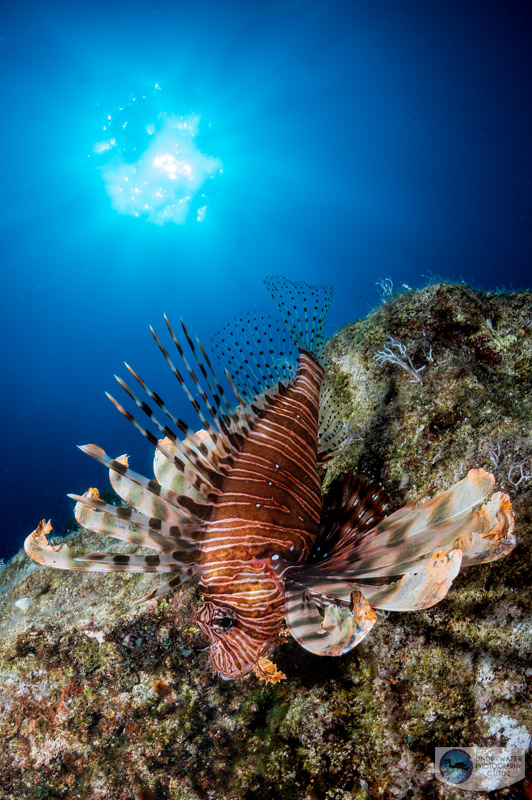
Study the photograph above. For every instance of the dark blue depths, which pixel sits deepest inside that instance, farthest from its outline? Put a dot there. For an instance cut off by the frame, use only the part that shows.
(356, 144)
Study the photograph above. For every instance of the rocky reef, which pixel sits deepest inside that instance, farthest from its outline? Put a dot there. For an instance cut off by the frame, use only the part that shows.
(105, 700)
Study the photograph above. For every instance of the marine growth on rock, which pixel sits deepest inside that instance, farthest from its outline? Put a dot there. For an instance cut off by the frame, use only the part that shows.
(104, 698)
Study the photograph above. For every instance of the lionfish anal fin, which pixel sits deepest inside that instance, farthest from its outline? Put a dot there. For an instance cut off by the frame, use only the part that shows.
(353, 504)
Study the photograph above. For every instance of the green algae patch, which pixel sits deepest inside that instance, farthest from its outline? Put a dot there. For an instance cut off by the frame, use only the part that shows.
(104, 699)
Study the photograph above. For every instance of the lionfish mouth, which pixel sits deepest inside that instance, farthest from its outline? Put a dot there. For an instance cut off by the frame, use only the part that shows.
(233, 651)
(223, 662)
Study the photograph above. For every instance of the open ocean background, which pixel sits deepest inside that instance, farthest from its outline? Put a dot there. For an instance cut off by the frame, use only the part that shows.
(356, 142)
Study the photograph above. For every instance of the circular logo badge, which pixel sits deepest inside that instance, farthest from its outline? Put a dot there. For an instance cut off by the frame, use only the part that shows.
(456, 766)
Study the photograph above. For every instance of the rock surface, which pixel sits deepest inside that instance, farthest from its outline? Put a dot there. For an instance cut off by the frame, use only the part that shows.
(101, 699)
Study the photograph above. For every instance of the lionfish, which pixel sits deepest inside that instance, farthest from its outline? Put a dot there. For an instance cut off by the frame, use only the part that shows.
(238, 507)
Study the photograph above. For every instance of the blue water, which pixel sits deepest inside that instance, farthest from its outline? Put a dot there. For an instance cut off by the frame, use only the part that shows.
(357, 142)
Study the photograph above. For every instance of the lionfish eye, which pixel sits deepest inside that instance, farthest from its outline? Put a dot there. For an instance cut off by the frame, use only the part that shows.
(225, 620)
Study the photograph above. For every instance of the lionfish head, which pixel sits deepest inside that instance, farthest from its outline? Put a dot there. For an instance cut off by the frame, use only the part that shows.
(233, 649)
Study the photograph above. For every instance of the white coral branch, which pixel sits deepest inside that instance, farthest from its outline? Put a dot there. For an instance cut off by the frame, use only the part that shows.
(395, 353)
(522, 477)
(495, 454)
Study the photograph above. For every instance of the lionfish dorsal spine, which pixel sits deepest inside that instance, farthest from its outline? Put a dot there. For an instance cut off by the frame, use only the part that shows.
(194, 403)
(220, 391)
(211, 409)
(216, 391)
(171, 514)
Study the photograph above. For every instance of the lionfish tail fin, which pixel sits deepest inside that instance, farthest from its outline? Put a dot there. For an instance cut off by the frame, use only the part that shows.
(304, 309)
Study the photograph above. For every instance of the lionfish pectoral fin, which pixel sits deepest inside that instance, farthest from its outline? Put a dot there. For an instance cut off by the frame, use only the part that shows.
(494, 537)
(352, 505)
(121, 562)
(417, 590)
(449, 507)
(336, 630)
(457, 519)
(128, 525)
(39, 549)
(169, 586)
(143, 494)
(60, 556)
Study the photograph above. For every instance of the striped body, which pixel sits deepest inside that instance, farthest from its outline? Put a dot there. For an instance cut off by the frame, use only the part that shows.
(269, 506)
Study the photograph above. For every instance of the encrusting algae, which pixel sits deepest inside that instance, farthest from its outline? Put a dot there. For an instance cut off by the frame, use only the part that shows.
(105, 699)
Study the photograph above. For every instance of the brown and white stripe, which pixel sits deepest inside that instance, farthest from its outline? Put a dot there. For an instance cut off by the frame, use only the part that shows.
(268, 509)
